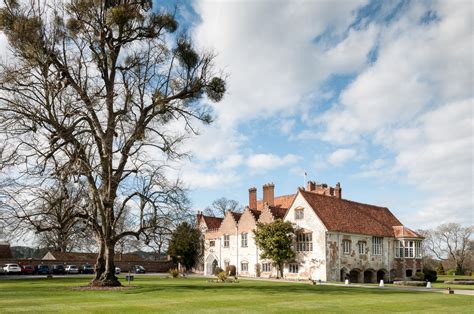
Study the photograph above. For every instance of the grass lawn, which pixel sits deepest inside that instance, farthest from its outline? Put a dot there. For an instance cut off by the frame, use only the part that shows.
(193, 295)
(441, 278)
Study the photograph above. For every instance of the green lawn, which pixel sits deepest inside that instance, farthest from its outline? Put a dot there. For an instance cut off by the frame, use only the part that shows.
(440, 282)
(193, 295)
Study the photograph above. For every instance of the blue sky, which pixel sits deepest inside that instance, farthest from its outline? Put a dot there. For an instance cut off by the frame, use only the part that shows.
(376, 95)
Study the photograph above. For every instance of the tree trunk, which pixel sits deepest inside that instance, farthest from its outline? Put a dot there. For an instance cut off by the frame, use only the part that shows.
(280, 269)
(100, 263)
(108, 279)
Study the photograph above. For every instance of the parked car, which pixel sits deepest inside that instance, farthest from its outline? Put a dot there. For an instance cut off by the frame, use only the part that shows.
(72, 269)
(138, 269)
(43, 270)
(12, 269)
(117, 270)
(27, 270)
(58, 269)
(86, 269)
(2, 272)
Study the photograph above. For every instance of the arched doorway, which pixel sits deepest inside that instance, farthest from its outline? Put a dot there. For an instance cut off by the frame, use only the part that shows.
(354, 275)
(369, 276)
(393, 275)
(343, 274)
(211, 264)
(382, 275)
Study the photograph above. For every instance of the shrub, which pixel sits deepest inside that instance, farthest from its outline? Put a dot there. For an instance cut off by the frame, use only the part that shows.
(231, 270)
(419, 276)
(217, 271)
(222, 276)
(451, 272)
(440, 269)
(430, 275)
(174, 272)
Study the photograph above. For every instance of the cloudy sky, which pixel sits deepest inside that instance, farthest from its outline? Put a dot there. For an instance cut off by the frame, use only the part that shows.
(377, 95)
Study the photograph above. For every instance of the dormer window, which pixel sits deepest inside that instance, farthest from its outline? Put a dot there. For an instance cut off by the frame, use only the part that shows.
(299, 213)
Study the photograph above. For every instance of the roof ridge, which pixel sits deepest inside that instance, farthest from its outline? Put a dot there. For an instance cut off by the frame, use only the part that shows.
(343, 199)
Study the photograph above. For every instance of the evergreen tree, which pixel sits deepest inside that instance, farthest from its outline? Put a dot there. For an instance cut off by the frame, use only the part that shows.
(185, 245)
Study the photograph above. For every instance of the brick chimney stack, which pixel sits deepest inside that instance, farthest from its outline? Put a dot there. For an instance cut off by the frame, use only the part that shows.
(253, 198)
(269, 194)
(311, 186)
(338, 190)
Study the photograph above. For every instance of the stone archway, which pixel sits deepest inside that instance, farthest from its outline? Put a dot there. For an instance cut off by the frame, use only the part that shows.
(370, 276)
(211, 264)
(354, 275)
(393, 275)
(382, 275)
(343, 274)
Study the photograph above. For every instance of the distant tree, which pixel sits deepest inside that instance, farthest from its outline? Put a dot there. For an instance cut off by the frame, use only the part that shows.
(275, 240)
(440, 269)
(221, 205)
(185, 245)
(450, 241)
(53, 215)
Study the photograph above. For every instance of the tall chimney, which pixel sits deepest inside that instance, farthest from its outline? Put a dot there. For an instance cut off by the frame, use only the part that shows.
(253, 198)
(338, 190)
(269, 194)
(311, 186)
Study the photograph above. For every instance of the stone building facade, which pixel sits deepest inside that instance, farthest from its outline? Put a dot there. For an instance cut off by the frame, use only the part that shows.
(336, 239)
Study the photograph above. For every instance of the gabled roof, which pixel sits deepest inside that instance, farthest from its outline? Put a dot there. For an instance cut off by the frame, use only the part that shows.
(212, 222)
(278, 212)
(404, 232)
(347, 216)
(283, 201)
(255, 213)
(236, 216)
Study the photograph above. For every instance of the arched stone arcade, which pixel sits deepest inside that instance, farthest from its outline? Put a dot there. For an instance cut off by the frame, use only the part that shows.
(370, 276)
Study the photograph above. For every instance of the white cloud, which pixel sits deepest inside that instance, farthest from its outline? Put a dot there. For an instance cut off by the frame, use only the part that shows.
(416, 101)
(269, 50)
(230, 162)
(341, 156)
(260, 163)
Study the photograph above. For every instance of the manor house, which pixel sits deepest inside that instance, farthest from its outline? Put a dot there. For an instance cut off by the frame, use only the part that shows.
(337, 239)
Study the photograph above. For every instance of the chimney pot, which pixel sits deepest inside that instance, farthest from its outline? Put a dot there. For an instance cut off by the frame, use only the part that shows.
(338, 190)
(269, 194)
(311, 186)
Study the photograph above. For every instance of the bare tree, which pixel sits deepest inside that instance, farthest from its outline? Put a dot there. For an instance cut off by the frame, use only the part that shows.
(95, 89)
(449, 241)
(221, 205)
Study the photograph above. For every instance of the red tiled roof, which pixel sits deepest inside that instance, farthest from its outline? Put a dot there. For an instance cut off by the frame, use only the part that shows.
(5, 251)
(278, 212)
(352, 217)
(404, 232)
(256, 213)
(212, 222)
(279, 201)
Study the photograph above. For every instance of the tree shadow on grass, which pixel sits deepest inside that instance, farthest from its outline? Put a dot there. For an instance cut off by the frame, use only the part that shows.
(271, 288)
